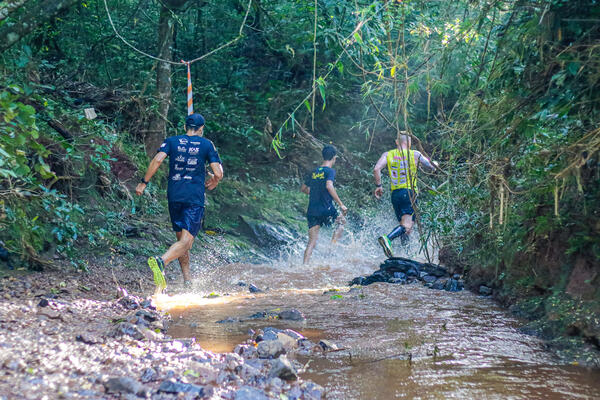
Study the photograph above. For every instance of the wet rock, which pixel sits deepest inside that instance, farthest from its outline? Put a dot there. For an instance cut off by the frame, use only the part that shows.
(327, 345)
(253, 289)
(270, 349)
(258, 315)
(292, 315)
(147, 304)
(265, 234)
(242, 284)
(452, 285)
(429, 279)
(456, 276)
(282, 368)
(293, 334)
(401, 281)
(149, 375)
(440, 284)
(400, 275)
(359, 280)
(43, 303)
(249, 393)
(269, 335)
(288, 342)
(246, 351)
(233, 360)
(129, 302)
(147, 315)
(172, 386)
(127, 329)
(228, 320)
(88, 339)
(123, 384)
(312, 391)
(484, 290)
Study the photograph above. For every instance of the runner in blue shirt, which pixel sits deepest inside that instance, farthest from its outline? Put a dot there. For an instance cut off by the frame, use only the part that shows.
(321, 211)
(188, 155)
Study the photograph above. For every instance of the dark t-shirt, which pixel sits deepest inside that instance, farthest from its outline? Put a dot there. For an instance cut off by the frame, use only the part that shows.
(320, 202)
(187, 167)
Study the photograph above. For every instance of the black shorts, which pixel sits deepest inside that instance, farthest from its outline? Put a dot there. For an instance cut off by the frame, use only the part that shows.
(186, 216)
(321, 220)
(402, 204)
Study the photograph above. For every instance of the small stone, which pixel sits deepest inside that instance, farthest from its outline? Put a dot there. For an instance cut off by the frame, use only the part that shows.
(242, 284)
(228, 320)
(254, 289)
(49, 313)
(147, 304)
(124, 384)
(270, 349)
(87, 339)
(429, 279)
(249, 393)
(283, 369)
(172, 386)
(149, 375)
(400, 281)
(312, 391)
(292, 315)
(43, 303)
(129, 302)
(147, 315)
(125, 328)
(456, 276)
(484, 290)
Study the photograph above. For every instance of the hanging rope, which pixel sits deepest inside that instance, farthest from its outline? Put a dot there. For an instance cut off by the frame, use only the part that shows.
(234, 40)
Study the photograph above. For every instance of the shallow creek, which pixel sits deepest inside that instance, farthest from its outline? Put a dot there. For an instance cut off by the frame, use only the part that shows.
(399, 341)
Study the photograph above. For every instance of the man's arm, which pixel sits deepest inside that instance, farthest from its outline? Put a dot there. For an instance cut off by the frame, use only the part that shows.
(420, 159)
(216, 177)
(334, 195)
(152, 168)
(305, 189)
(381, 163)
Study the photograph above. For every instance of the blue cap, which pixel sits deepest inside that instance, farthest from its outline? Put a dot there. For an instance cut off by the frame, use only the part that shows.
(194, 121)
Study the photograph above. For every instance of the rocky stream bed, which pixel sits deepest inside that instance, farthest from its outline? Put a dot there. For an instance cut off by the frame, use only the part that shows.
(84, 336)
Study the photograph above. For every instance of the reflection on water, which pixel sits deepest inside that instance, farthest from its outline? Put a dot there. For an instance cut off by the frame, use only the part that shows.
(402, 341)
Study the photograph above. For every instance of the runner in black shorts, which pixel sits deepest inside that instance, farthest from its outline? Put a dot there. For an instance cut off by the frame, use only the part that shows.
(402, 164)
(188, 155)
(321, 211)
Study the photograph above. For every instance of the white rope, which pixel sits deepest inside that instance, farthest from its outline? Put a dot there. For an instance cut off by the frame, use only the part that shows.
(238, 37)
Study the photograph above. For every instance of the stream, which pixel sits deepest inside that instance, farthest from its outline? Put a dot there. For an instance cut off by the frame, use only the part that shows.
(399, 341)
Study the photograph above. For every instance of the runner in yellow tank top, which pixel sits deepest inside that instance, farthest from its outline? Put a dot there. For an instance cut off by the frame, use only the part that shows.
(402, 164)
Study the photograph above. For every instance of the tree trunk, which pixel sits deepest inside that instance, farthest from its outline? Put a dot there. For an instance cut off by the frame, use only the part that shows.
(11, 33)
(158, 123)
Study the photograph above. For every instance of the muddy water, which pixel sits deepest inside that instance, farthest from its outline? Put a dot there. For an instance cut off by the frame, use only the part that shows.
(400, 341)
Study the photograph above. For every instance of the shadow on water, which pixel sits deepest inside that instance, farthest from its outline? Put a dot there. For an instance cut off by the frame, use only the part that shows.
(402, 341)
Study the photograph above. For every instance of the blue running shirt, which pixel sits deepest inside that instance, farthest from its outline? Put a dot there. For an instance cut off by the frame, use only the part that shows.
(188, 156)
(320, 202)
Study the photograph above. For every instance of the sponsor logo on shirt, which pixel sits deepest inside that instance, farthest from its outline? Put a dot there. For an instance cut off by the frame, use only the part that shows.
(195, 143)
(176, 177)
(183, 141)
(192, 161)
(180, 158)
(178, 167)
(187, 177)
(163, 145)
(181, 149)
(320, 175)
(191, 169)
(193, 150)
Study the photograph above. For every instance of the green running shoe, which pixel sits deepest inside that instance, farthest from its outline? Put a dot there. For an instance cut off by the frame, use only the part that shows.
(386, 245)
(157, 266)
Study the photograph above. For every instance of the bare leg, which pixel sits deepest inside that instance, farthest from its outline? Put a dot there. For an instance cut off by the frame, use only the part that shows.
(313, 235)
(184, 261)
(179, 249)
(407, 222)
(339, 229)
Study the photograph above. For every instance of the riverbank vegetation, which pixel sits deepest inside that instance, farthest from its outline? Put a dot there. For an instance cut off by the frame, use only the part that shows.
(504, 94)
